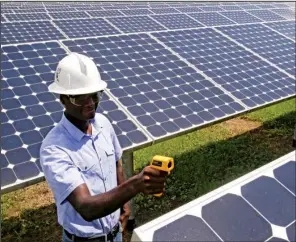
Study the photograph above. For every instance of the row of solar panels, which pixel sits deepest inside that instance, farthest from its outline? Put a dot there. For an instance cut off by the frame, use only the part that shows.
(22, 32)
(130, 5)
(280, 13)
(159, 85)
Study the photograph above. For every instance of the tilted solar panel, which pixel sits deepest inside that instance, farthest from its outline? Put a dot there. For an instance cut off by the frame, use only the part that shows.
(246, 76)
(29, 111)
(285, 28)
(163, 93)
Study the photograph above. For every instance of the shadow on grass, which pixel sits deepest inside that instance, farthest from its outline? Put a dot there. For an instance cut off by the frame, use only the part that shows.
(195, 174)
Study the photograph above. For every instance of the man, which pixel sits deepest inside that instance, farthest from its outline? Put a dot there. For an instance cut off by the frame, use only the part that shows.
(81, 159)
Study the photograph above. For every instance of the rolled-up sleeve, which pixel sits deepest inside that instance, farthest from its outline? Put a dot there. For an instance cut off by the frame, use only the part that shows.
(60, 172)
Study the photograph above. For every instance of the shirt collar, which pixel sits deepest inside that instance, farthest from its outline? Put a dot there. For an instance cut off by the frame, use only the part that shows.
(77, 133)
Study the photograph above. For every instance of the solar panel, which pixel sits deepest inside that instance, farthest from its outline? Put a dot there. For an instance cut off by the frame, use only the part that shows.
(189, 10)
(21, 32)
(249, 7)
(176, 21)
(135, 24)
(30, 10)
(266, 15)
(267, 43)
(29, 111)
(27, 16)
(247, 77)
(265, 6)
(136, 12)
(254, 207)
(164, 10)
(6, 11)
(284, 12)
(75, 28)
(68, 15)
(211, 9)
(59, 8)
(163, 93)
(2, 18)
(105, 13)
(211, 19)
(114, 7)
(286, 28)
(241, 17)
(231, 7)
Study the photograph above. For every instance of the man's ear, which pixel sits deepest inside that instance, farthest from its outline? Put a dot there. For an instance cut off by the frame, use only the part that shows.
(62, 99)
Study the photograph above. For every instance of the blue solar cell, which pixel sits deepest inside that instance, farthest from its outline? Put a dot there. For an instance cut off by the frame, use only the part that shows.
(75, 28)
(265, 6)
(241, 17)
(31, 137)
(176, 21)
(193, 229)
(135, 24)
(230, 7)
(18, 32)
(7, 129)
(23, 125)
(17, 156)
(291, 232)
(282, 55)
(235, 69)
(233, 218)
(271, 199)
(266, 15)
(34, 150)
(43, 121)
(287, 28)
(7, 177)
(211, 19)
(16, 114)
(44, 131)
(26, 170)
(286, 175)
(11, 142)
(4, 162)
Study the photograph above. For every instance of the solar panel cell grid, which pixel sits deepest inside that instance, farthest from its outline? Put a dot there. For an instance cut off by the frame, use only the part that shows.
(105, 13)
(21, 32)
(189, 10)
(75, 28)
(267, 43)
(286, 28)
(247, 77)
(211, 19)
(27, 17)
(136, 12)
(135, 24)
(176, 21)
(68, 15)
(164, 10)
(241, 17)
(284, 12)
(266, 15)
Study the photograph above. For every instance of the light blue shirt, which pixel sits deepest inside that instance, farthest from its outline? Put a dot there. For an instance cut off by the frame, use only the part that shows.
(70, 158)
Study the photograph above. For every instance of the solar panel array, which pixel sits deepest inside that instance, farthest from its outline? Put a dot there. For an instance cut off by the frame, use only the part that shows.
(260, 206)
(171, 67)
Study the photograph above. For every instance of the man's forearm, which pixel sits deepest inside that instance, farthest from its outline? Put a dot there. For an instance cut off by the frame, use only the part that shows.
(101, 205)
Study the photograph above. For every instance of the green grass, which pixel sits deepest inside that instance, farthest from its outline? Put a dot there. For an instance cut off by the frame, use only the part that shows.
(211, 157)
(204, 160)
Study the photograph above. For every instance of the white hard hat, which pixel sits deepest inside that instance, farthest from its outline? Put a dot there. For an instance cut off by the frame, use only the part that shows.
(77, 74)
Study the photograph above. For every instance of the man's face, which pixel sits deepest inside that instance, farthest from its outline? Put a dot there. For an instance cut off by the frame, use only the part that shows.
(82, 107)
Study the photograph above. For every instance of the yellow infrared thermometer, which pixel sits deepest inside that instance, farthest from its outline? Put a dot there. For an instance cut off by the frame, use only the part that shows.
(162, 163)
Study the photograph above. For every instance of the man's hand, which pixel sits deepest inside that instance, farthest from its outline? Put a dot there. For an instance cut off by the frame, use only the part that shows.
(125, 213)
(151, 181)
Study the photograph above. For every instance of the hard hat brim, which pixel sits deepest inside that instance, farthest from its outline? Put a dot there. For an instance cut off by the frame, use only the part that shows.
(100, 86)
